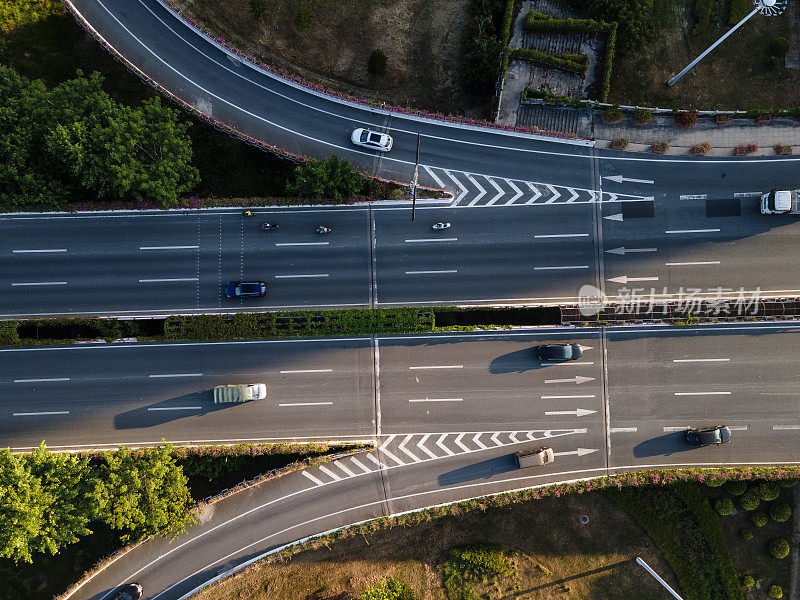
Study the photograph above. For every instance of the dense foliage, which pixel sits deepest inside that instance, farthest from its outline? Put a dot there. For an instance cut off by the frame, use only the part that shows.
(74, 141)
(333, 178)
(14, 13)
(388, 589)
(471, 564)
(376, 63)
(483, 46)
(634, 17)
(48, 500)
(575, 63)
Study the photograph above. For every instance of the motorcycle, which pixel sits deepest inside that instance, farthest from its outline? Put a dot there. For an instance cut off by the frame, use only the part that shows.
(322, 230)
(440, 226)
(268, 226)
(247, 213)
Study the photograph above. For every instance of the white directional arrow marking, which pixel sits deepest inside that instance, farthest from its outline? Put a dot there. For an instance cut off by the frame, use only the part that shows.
(421, 446)
(584, 348)
(500, 191)
(581, 412)
(625, 279)
(622, 250)
(616, 217)
(620, 179)
(459, 184)
(477, 185)
(556, 194)
(578, 452)
(536, 193)
(577, 379)
(515, 188)
(574, 195)
(442, 446)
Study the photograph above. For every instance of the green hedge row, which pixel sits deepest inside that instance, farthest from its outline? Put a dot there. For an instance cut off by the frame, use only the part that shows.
(678, 520)
(298, 324)
(530, 93)
(577, 63)
(608, 63)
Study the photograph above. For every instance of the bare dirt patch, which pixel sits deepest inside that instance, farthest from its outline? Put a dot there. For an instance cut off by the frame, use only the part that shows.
(556, 557)
(421, 38)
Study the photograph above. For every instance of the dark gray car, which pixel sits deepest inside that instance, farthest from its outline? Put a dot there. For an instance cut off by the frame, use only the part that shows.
(558, 352)
(708, 436)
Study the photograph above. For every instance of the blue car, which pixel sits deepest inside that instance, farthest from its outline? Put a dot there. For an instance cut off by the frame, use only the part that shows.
(245, 289)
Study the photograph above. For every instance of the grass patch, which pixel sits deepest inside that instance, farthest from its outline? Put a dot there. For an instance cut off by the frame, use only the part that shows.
(535, 549)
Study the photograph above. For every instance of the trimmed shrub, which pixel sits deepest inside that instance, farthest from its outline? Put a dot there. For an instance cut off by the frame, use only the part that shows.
(724, 506)
(388, 589)
(702, 148)
(775, 591)
(620, 143)
(748, 581)
(713, 481)
(660, 148)
(642, 116)
(750, 500)
(530, 93)
(303, 19)
(789, 483)
(780, 511)
(376, 64)
(736, 487)
(747, 533)
(613, 114)
(767, 491)
(759, 519)
(574, 63)
(779, 548)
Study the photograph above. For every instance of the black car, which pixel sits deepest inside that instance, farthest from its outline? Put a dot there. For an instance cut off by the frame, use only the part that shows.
(558, 352)
(132, 591)
(708, 436)
(245, 289)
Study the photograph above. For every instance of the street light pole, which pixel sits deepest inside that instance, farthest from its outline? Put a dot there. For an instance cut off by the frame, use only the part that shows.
(765, 7)
(414, 182)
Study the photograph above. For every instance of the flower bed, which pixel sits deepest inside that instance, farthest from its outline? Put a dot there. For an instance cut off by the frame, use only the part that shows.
(745, 149)
(660, 147)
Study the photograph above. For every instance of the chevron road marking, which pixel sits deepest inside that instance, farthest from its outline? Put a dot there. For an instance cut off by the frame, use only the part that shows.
(402, 448)
(496, 441)
(476, 440)
(459, 443)
(443, 447)
(458, 183)
(438, 181)
(574, 195)
(516, 189)
(536, 192)
(421, 446)
(556, 195)
(312, 478)
(329, 473)
(500, 192)
(383, 449)
(477, 185)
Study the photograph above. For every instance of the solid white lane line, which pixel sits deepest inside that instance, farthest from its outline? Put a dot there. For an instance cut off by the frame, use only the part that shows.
(39, 283)
(623, 430)
(785, 427)
(43, 380)
(560, 268)
(312, 478)
(702, 393)
(437, 367)
(173, 280)
(568, 362)
(420, 240)
(671, 429)
(430, 272)
(311, 276)
(692, 360)
(168, 247)
(570, 397)
(692, 230)
(686, 264)
(747, 194)
(436, 400)
(738, 427)
(165, 375)
(308, 371)
(330, 473)
(694, 196)
(178, 408)
(36, 414)
(306, 404)
(302, 244)
(38, 251)
(561, 235)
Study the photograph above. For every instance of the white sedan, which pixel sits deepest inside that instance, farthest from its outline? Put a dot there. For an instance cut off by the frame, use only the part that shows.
(374, 140)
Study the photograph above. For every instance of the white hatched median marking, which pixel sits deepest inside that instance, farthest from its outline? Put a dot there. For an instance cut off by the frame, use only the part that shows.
(312, 478)
(347, 471)
(43, 413)
(443, 447)
(438, 181)
(374, 459)
(477, 441)
(458, 442)
(329, 473)
(421, 446)
(43, 380)
(536, 193)
(500, 192)
(496, 439)
(360, 465)
(402, 448)
(517, 191)
(39, 251)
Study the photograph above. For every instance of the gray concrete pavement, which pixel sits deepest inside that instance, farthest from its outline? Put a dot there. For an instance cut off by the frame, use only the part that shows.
(450, 411)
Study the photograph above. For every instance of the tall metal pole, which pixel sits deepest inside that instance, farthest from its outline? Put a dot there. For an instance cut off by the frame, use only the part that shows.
(414, 183)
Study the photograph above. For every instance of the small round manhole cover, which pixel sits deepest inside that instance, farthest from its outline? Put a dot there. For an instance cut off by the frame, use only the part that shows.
(584, 520)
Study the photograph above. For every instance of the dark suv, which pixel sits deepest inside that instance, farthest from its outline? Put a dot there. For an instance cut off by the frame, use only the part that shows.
(558, 352)
(245, 289)
(707, 436)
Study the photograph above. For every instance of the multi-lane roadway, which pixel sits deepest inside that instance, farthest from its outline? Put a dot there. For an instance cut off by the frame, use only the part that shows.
(446, 410)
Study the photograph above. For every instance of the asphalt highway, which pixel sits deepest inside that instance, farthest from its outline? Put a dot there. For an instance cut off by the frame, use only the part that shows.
(167, 263)
(447, 411)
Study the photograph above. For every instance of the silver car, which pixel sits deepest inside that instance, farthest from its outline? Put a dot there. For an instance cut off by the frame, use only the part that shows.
(374, 140)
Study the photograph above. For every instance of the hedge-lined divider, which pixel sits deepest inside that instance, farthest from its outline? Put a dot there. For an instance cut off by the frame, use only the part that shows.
(574, 63)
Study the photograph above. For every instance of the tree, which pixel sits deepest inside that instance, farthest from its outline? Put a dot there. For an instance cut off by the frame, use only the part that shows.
(749, 500)
(767, 491)
(145, 495)
(779, 548)
(331, 178)
(780, 511)
(635, 18)
(22, 507)
(376, 64)
(724, 506)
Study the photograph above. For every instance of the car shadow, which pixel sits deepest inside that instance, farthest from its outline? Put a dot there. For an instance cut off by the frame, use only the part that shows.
(663, 445)
(518, 361)
(479, 470)
(169, 410)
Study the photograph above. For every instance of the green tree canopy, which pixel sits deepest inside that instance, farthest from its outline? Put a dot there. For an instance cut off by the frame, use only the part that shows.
(332, 178)
(74, 140)
(145, 494)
